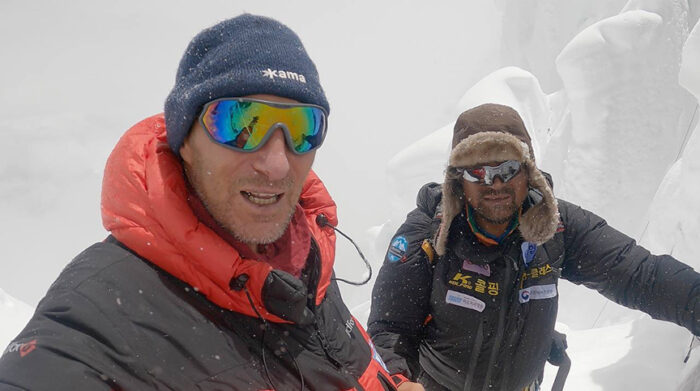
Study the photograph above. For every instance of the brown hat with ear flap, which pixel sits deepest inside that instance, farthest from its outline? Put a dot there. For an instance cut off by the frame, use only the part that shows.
(494, 133)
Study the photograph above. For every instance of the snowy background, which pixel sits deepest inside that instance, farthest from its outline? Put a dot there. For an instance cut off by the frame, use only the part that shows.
(608, 88)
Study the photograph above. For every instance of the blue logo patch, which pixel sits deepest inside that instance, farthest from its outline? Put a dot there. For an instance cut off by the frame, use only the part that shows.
(529, 250)
(398, 248)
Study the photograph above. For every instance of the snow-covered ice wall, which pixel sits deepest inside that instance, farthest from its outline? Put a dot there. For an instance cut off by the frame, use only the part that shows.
(629, 117)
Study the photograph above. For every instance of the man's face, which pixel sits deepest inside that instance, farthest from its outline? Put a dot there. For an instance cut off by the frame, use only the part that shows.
(252, 195)
(498, 203)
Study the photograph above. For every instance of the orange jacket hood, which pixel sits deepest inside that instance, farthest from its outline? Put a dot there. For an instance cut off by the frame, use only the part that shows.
(144, 206)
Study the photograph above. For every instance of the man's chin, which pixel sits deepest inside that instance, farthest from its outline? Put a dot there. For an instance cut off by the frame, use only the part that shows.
(497, 217)
(260, 232)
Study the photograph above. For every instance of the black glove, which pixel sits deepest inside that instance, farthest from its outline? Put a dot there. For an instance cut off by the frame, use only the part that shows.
(558, 350)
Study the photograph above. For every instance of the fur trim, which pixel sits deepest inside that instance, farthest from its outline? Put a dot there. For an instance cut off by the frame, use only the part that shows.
(538, 224)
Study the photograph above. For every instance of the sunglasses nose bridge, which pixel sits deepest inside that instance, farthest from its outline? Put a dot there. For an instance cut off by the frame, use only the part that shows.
(490, 180)
(272, 158)
(286, 132)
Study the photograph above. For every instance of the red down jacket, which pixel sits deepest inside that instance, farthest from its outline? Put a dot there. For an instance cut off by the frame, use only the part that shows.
(162, 304)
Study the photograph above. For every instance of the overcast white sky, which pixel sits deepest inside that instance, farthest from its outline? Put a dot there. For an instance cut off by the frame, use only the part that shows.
(75, 75)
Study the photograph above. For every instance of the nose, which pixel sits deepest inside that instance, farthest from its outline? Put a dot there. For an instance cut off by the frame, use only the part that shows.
(272, 159)
(497, 182)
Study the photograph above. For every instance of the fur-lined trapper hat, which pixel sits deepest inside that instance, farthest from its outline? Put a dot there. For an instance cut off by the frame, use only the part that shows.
(495, 133)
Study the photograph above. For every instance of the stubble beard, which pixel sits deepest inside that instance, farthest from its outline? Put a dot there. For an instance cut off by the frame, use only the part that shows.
(496, 214)
(224, 215)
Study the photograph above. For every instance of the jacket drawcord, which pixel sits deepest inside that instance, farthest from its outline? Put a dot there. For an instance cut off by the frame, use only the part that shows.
(690, 348)
(239, 283)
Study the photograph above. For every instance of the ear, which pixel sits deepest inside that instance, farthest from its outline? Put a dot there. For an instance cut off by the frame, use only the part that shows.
(186, 152)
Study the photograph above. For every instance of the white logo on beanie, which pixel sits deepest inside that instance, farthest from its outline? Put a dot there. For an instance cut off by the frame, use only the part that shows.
(272, 74)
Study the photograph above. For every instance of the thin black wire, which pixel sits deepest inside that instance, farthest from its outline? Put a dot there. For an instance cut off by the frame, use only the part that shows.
(605, 304)
(262, 347)
(690, 348)
(369, 267)
(296, 364)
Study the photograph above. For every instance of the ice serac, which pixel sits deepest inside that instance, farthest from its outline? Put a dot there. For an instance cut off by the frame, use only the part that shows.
(628, 114)
(535, 31)
(15, 315)
(674, 217)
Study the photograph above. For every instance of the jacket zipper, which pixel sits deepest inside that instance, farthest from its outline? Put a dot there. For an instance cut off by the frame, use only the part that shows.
(326, 349)
(313, 284)
(478, 341)
(517, 320)
(501, 318)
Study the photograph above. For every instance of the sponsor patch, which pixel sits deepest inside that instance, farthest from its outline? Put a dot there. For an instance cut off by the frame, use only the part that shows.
(484, 270)
(529, 249)
(537, 292)
(464, 300)
(398, 248)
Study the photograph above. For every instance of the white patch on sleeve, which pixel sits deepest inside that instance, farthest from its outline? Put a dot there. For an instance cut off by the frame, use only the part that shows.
(376, 356)
(464, 300)
(537, 292)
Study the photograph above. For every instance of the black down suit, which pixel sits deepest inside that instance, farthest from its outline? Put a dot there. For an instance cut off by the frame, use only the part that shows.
(481, 317)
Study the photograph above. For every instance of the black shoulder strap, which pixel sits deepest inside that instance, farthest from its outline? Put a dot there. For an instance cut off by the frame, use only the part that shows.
(427, 245)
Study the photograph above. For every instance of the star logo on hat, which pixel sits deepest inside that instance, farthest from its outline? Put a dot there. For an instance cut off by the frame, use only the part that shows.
(269, 73)
(282, 74)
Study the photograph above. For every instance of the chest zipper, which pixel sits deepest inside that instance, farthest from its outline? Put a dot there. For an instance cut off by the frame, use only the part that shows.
(327, 350)
(510, 264)
(311, 303)
(514, 322)
(326, 346)
(478, 341)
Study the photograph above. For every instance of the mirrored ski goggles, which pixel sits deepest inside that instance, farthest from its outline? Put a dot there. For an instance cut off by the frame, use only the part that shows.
(485, 175)
(245, 125)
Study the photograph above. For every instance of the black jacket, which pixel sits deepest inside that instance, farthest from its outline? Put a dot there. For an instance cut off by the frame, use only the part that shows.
(479, 318)
(113, 321)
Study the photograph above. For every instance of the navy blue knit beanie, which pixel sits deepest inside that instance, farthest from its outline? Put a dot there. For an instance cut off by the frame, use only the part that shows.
(241, 56)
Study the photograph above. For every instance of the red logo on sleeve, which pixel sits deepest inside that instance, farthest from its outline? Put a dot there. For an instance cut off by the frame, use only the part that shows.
(27, 348)
(22, 348)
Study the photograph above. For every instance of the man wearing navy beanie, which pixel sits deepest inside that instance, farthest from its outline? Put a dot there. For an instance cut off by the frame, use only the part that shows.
(217, 271)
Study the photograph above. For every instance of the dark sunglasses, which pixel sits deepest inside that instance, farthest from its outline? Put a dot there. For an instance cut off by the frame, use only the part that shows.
(485, 175)
(245, 125)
